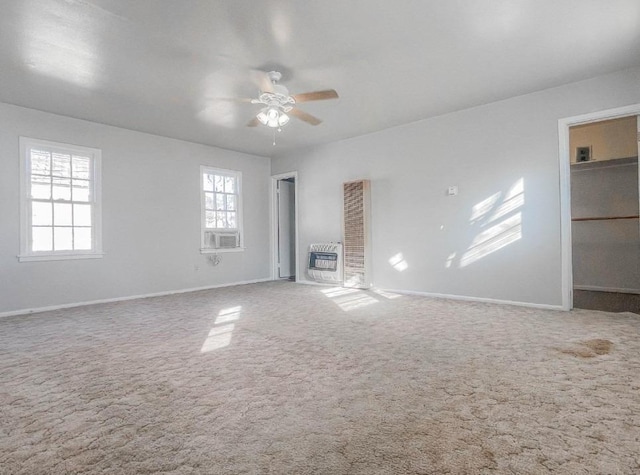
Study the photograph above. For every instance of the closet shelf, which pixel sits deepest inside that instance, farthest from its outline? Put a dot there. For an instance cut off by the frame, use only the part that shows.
(605, 218)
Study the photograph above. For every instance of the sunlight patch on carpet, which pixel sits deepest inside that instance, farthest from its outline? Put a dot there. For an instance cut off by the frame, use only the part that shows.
(220, 335)
(349, 299)
(386, 294)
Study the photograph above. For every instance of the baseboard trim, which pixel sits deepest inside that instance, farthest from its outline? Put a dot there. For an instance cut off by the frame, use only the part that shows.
(29, 311)
(595, 288)
(321, 284)
(449, 296)
(477, 299)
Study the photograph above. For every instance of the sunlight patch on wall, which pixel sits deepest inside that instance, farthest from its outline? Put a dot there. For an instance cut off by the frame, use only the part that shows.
(513, 200)
(220, 335)
(450, 259)
(479, 210)
(398, 262)
(349, 299)
(502, 213)
(493, 239)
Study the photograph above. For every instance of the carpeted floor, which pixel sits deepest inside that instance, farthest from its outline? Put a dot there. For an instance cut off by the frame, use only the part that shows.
(291, 379)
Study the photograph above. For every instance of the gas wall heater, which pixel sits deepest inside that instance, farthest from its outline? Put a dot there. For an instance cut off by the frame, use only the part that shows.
(325, 262)
(356, 230)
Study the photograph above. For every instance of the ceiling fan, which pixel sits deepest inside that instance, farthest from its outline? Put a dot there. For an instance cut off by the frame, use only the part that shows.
(279, 104)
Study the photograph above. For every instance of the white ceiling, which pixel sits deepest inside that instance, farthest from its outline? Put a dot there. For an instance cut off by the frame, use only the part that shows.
(158, 65)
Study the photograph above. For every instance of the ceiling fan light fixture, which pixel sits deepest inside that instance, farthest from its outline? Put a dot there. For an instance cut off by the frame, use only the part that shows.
(262, 117)
(283, 119)
(272, 117)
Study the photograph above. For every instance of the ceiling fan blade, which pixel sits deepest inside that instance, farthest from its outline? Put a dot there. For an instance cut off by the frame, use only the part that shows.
(253, 122)
(231, 99)
(316, 96)
(302, 115)
(262, 80)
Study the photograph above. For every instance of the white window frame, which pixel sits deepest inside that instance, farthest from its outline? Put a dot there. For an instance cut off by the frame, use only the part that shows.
(26, 254)
(204, 169)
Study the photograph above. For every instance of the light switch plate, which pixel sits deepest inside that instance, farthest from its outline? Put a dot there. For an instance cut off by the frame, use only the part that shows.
(452, 191)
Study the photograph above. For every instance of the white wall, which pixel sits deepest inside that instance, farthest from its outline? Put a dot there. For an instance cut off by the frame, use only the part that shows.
(151, 216)
(488, 152)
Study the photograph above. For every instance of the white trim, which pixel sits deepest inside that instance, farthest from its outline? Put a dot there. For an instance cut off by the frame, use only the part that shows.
(476, 299)
(564, 156)
(446, 296)
(322, 284)
(28, 311)
(26, 255)
(274, 223)
(597, 288)
(60, 257)
(221, 250)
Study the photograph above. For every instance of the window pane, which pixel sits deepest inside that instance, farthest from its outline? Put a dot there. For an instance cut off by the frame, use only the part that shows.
(229, 184)
(41, 214)
(81, 215)
(209, 239)
(231, 202)
(61, 165)
(62, 215)
(80, 190)
(61, 189)
(219, 183)
(62, 239)
(40, 162)
(208, 200)
(231, 220)
(42, 239)
(208, 182)
(219, 201)
(82, 239)
(221, 221)
(80, 167)
(41, 187)
(210, 219)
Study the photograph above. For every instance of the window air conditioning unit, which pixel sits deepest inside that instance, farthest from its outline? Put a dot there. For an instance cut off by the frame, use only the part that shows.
(221, 240)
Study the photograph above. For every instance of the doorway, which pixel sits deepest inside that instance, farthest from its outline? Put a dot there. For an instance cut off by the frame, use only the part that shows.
(285, 234)
(600, 214)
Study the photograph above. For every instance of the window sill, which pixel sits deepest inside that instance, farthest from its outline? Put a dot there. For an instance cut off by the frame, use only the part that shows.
(221, 251)
(58, 257)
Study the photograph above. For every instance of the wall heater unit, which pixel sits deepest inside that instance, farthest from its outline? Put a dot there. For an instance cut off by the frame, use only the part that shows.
(356, 230)
(325, 263)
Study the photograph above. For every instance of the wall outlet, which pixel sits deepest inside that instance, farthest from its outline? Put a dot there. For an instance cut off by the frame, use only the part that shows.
(583, 154)
(452, 191)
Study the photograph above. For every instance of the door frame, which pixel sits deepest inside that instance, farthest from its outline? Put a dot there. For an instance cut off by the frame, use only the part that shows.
(274, 223)
(564, 156)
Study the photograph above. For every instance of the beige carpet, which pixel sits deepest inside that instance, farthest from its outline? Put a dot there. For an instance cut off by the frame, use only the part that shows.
(291, 379)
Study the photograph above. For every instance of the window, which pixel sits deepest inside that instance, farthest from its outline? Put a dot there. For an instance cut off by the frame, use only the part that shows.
(221, 203)
(60, 201)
